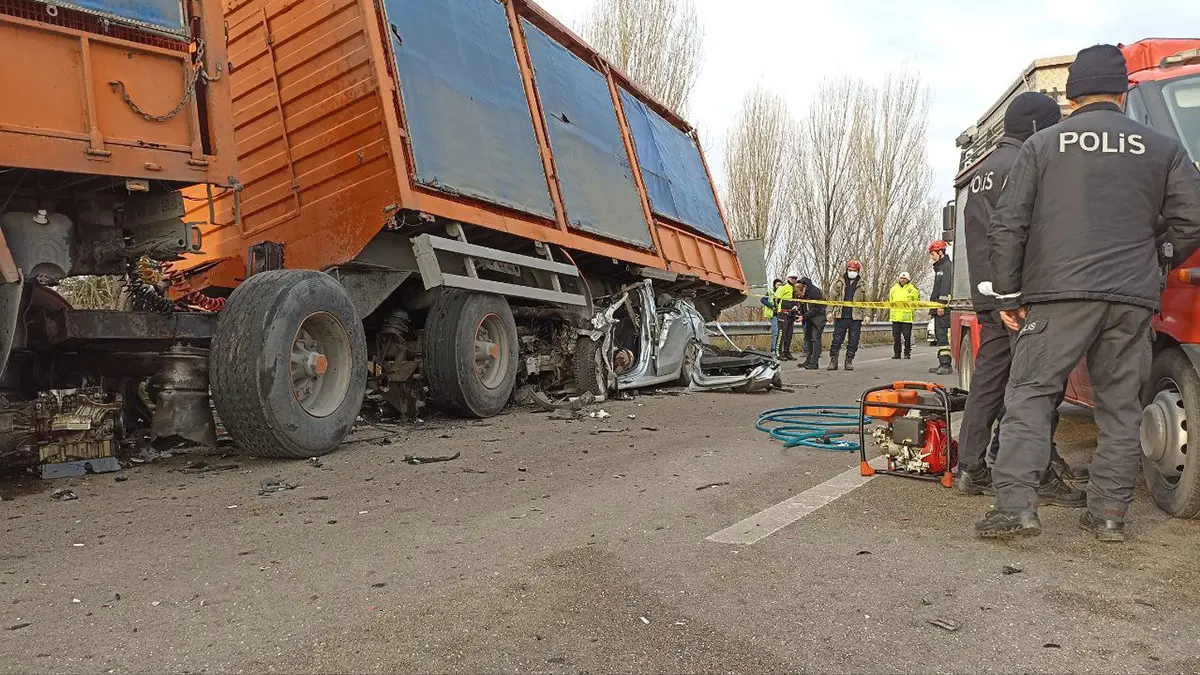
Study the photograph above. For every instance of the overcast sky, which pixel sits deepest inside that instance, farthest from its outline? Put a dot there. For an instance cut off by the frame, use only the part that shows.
(967, 51)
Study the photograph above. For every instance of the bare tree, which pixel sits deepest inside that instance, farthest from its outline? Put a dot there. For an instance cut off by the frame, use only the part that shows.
(894, 198)
(757, 153)
(821, 188)
(657, 43)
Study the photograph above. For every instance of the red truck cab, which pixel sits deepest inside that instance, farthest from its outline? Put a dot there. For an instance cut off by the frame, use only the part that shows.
(1164, 94)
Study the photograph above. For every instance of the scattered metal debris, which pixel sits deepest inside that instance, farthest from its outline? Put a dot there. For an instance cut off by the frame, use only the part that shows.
(600, 415)
(948, 625)
(315, 461)
(19, 626)
(200, 466)
(63, 495)
(650, 429)
(1145, 603)
(112, 600)
(564, 415)
(271, 485)
(121, 478)
(1051, 645)
(1011, 569)
(543, 402)
(713, 485)
(863, 552)
(414, 459)
(79, 468)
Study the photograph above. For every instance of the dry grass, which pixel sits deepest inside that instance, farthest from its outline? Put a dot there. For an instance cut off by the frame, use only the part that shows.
(94, 292)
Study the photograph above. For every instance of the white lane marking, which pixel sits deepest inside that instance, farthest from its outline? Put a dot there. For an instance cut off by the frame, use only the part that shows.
(771, 520)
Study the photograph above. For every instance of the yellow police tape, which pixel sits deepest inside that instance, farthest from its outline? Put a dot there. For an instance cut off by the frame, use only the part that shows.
(918, 304)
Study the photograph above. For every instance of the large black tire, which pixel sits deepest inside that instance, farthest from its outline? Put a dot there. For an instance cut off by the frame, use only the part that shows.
(1179, 495)
(252, 357)
(454, 323)
(966, 362)
(589, 368)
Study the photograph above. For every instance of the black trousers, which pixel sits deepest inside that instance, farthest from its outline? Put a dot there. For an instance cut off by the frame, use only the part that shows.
(841, 329)
(814, 328)
(985, 404)
(902, 332)
(787, 326)
(1115, 338)
(941, 333)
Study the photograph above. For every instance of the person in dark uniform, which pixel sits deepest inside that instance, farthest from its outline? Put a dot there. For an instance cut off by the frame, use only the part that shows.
(1028, 113)
(1076, 271)
(847, 321)
(941, 316)
(814, 323)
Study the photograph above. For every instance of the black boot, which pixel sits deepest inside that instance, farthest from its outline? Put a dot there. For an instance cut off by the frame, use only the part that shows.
(1105, 530)
(833, 362)
(1074, 476)
(849, 362)
(1007, 524)
(977, 482)
(1054, 491)
(908, 355)
(945, 366)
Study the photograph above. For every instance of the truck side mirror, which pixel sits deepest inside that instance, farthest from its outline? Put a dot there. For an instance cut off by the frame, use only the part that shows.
(949, 213)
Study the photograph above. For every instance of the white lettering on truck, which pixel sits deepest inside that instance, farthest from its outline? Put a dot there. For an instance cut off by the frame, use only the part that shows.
(1091, 141)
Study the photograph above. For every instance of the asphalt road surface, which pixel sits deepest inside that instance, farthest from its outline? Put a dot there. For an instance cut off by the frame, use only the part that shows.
(580, 546)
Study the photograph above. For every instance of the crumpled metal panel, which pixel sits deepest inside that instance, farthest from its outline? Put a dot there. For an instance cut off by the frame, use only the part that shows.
(673, 171)
(161, 15)
(593, 167)
(468, 118)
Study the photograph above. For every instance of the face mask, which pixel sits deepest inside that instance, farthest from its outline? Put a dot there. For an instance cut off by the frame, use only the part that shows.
(852, 275)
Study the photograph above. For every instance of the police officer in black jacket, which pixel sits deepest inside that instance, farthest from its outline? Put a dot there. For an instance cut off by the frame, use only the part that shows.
(1028, 113)
(1075, 268)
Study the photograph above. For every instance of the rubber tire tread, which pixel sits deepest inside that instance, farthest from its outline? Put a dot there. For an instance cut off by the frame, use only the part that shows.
(584, 367)
(240, 353)
(453, 385)
(1184, 500)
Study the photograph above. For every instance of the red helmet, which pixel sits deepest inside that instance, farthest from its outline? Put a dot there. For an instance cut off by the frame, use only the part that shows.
(854, 265)
(938, 245)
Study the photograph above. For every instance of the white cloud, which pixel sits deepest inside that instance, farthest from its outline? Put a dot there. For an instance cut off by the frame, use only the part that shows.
(968, 52)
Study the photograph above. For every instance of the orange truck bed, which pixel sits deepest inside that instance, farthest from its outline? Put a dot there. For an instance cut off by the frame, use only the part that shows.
(69, 67)
(353, 117)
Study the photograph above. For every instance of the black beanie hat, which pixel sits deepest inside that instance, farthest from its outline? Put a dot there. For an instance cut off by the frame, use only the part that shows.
(1098, 70)
(1029, 113)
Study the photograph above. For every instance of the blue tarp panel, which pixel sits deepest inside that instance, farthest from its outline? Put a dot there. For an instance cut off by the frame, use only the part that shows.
(589, 154)
(673, 171)
(165, 15)
(468, 118)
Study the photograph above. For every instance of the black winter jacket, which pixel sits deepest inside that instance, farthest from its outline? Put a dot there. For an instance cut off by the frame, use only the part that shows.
(1084, 204)
(987, 183)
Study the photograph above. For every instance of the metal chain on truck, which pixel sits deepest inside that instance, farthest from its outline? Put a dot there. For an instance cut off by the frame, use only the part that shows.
(192, 75)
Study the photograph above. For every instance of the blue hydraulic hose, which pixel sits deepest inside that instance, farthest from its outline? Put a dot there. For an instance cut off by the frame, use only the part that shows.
(813, 426)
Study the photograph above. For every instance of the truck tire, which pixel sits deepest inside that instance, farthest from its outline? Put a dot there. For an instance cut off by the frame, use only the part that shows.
(1171, 455)
(471, 356)
(966, 362)
(588, 367)
(288, 364)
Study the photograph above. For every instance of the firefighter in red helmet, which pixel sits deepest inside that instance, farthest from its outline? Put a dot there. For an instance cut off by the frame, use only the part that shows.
(941, 317)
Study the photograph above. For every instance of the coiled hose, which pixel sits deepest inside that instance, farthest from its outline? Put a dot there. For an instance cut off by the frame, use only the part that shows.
(812, 426)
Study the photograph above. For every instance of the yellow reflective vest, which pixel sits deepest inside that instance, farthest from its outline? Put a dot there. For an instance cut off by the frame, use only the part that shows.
(907, 293)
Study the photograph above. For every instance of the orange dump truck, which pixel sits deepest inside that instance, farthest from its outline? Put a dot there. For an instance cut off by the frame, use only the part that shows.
(441, 201)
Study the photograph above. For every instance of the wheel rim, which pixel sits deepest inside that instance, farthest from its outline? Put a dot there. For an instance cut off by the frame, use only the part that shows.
(492, 351)
(1165, 434)
(320, 365)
